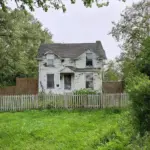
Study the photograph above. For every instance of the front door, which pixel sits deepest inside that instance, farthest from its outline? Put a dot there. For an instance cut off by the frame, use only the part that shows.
(67, 81)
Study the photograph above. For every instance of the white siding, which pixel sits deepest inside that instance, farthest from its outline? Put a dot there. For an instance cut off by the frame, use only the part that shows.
(81, 61)
(80, 81)
(78, 78)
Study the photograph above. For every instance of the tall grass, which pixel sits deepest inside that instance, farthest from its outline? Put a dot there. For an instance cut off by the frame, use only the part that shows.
(66, 130)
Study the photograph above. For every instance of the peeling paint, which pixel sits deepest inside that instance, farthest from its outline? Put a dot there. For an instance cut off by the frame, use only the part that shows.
(78, 79)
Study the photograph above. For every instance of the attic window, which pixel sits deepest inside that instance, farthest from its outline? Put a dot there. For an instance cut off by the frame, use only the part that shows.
(89, 59)
(50, 62)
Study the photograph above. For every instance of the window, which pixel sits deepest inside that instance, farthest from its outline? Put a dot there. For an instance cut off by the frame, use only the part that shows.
(89, 80)
(50, 81)
(50, 62)
(89, 61)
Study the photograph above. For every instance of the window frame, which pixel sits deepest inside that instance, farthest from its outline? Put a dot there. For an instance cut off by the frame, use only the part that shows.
(53, 84)
(87, 59)
(88, 81)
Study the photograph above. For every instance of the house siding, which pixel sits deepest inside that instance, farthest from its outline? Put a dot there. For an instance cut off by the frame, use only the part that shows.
(81, 60)
(78, 78)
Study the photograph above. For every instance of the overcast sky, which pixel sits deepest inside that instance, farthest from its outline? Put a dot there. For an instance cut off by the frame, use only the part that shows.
(81, 24)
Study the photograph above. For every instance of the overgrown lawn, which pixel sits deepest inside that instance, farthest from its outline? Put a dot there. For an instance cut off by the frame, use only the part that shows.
(63, 130)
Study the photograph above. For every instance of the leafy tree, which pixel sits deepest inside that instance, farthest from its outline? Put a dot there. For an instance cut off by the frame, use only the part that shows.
(112, 71)
(46, 4)
(131, 30)
(18, 48)
(139, 92)
(143, 59)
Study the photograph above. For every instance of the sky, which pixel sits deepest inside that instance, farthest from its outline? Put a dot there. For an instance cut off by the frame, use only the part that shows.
(82, 25)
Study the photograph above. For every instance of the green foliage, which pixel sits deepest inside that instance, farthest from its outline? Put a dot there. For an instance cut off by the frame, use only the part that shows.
(131, 30)
(54, 129)
(19, 45)
(139, 92)
(76, 129)
(112, 71)
(45, 5)
(143, 59)
(85, 91)
(139, 143)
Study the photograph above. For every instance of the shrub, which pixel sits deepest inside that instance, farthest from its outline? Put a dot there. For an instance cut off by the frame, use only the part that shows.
(139, 92)
(85, 91)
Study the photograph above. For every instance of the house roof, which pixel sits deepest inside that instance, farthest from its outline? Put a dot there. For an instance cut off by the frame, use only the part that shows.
(71, 50)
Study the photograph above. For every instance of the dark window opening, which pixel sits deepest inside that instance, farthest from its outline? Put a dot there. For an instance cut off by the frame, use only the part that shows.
(61, 77)
(62, 60)
(50, 81)
(67, 82)
(89, 61)
(89, 81)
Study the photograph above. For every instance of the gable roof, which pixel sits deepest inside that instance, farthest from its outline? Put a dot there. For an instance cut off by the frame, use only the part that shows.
(71, 50)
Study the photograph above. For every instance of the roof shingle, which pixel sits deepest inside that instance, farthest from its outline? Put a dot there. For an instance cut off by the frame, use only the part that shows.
(72, 50)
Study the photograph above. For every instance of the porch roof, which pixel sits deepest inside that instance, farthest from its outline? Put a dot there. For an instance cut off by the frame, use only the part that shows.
(70, 69)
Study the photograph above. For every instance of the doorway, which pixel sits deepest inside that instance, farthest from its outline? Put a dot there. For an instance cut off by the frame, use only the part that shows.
(67, 81)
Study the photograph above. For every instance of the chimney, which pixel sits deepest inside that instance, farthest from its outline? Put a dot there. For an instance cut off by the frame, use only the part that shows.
(99, 49)
(98, 45)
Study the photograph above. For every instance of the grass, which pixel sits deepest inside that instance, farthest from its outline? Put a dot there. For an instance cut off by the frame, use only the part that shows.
(63, 130)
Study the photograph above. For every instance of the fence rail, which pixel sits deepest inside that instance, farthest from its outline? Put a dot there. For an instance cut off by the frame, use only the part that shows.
(26, 102)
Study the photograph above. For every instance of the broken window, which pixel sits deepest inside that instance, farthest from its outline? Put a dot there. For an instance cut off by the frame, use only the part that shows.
(50, 81)
(89, 80)
(67, 81)
(50, 62)
(89, 61)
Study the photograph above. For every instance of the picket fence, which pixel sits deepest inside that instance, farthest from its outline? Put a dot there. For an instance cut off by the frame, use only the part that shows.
(44, 101)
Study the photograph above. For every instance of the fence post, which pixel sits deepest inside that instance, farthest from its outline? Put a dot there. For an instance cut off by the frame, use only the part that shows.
(120, 100)
(102, 100)
(65, 101)
(36, 99)
(21, 102)
(85, 99)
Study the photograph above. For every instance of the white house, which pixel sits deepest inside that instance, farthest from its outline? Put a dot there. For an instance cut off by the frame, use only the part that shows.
(69, 67)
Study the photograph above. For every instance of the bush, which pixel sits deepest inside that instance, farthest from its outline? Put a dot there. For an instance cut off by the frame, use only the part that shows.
(85, 91)
(139, 142)
(139, 92)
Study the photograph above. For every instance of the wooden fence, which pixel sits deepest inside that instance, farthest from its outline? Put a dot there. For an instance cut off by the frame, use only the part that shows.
(113, 86)
(23, 86)
(26, 102)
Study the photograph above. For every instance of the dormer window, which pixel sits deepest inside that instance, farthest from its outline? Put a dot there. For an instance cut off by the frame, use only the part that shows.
(50, 62)
(89, 59)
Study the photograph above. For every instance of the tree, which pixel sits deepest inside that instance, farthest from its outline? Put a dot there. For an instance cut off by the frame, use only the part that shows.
(46, 4)
(18, 49)
(112, 71)
(131, 30)
(143, 59)
(134, 30)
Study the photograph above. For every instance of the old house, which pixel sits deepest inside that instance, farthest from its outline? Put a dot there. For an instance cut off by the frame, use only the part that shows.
(69, 67)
